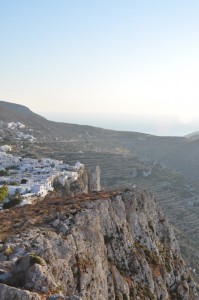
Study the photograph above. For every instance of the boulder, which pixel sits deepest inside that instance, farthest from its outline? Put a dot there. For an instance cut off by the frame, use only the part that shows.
(11, 293)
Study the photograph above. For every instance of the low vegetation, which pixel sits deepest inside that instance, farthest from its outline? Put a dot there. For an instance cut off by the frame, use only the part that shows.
(4, 173)
(3, 192)
(14, 200)
(35, 259)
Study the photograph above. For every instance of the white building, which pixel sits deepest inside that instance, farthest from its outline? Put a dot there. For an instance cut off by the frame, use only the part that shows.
(39, 189)
(5, 148)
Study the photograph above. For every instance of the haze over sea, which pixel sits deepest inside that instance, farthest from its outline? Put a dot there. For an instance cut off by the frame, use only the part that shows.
(157, 125)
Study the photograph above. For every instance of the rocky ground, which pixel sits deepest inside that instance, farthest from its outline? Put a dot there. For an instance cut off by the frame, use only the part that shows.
(101, 245)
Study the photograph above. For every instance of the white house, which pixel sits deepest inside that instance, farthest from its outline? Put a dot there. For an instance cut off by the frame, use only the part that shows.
(11, 125)
(24, 189)
(39, 189)
(4, 179)
(13, 188)
(49, 186)
(20, 125)
(78, 165)
(5, 148)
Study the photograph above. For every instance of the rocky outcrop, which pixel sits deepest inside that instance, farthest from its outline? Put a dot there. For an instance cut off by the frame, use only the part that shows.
(117, 245)
(94, 179)
(9, 293)
(79, 186)
(88, 180)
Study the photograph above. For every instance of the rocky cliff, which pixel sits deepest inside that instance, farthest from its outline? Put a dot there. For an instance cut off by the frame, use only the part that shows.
(100, 246)
(88, 180)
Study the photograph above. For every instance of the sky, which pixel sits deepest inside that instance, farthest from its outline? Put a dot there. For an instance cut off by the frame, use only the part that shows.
(127, 65)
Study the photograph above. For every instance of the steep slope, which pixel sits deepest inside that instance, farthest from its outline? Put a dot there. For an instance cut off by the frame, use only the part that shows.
(42, 128)
(45, 130)
(16, 112)
(175, 195)
(115, 245)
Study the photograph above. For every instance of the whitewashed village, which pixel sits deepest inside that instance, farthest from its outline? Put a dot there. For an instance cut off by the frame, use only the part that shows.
(19, 130)
(32, 177)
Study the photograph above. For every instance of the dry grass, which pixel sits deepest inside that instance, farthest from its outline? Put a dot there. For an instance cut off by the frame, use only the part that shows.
(15, 220)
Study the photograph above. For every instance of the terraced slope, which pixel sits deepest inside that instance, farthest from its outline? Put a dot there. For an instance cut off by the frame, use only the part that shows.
(178, 199)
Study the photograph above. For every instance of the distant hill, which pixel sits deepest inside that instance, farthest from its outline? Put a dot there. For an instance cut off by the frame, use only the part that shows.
(46, 130)
(193, 135)
(43, 128)
(16, 112)
(179, 153)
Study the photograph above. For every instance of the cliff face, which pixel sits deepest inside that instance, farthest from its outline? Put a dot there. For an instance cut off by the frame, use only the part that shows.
(94, 179)
(100, 246)
(87, 181)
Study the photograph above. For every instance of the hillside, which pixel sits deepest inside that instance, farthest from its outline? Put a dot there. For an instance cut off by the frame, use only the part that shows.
(45, 130)
(11, 112)
(122, 157)
(106, 245)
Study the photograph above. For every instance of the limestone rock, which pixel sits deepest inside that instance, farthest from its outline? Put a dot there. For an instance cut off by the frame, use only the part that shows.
(80, 185)
(55, 297)
(9, 293)
(73, 298)
(87, 181)
(94, 179)
(116, 246)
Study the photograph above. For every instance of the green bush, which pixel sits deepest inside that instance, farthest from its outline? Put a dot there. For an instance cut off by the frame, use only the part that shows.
(12, 203)
(35, 259)
(13, 183)
(3, 192)
(14, 200)
(8, 251)
(4, 173)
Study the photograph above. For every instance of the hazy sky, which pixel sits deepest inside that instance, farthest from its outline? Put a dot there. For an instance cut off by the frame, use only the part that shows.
(129, 58)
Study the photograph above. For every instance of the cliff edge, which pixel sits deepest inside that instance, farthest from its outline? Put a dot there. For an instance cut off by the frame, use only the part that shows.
(115, 245)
